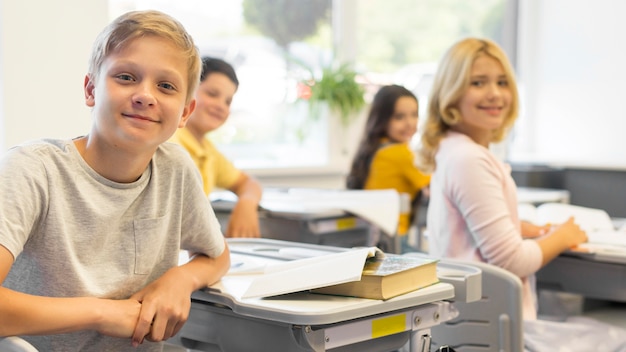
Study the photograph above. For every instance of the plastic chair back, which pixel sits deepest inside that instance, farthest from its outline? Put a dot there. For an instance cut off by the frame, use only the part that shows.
(494, 323)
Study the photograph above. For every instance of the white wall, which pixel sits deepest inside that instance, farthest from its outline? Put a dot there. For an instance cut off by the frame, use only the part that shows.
(44, 48)
(570, 69)
(571, 66)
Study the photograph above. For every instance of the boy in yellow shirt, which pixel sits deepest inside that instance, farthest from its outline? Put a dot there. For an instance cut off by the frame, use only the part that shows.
(218, 84)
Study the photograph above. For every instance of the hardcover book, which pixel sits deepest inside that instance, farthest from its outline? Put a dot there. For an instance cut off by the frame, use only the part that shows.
(386, 276)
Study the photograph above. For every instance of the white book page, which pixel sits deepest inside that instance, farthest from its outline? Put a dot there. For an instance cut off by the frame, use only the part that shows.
(614, 238)
(589, 219)
(305, 274)
(595, 222)
(380, 207)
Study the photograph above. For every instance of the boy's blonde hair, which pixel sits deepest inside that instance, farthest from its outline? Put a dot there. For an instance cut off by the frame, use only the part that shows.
(136, 24)
(450, 83)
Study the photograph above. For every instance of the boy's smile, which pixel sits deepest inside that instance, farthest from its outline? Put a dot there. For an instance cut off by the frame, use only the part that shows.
(139, 96)
(140, 117)
(213, 100)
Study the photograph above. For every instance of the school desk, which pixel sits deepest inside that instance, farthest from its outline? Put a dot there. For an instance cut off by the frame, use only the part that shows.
(343, 218)
(220, 320)
(536, 196)
(594, 275)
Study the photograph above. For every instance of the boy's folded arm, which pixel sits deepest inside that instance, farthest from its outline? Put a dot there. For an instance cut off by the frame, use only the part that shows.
(166, 301)
(205, 271)
(24, 314)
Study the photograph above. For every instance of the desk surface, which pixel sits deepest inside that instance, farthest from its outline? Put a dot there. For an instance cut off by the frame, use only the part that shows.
(542, 195)
(380, 207)
(588, 277)
(303, 308)
(304, 321)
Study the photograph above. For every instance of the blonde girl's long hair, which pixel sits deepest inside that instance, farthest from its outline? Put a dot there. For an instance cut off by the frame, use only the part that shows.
(450, 83)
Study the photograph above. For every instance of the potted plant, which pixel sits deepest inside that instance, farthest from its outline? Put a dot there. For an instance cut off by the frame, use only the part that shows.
(337, 89)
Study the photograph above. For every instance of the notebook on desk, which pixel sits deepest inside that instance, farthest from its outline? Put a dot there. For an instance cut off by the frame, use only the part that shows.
(605, 242)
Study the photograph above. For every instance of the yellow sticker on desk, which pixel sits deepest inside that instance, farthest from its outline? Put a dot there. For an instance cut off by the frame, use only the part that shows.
(388, 325)
(346, 223)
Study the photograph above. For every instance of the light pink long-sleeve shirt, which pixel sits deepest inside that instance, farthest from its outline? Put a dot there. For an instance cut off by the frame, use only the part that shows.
(472, 213)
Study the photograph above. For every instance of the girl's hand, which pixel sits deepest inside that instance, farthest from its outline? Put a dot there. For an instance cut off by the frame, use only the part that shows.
(575, 235)
(533, 231)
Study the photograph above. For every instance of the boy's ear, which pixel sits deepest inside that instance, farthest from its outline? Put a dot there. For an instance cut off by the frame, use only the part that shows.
(89, 91)
(186, 113)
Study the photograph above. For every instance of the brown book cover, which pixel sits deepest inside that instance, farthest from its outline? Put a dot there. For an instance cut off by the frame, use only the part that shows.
(388, 276)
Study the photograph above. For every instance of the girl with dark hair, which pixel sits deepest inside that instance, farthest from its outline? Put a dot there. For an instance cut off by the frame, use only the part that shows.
(384, 159)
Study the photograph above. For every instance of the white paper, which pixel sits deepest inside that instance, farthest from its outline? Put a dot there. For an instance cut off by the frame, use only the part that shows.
(615, 238)
(595, 222)
(304, 274)
(589, 219)
(379, 207)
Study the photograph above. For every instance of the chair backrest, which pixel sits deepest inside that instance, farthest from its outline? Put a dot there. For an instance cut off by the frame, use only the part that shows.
(494, 323)
(15, 344)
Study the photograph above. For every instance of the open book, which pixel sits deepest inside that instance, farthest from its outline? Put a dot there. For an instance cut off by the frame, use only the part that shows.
(387, 276)
(303, 274)
(399, 274)
(596, 222)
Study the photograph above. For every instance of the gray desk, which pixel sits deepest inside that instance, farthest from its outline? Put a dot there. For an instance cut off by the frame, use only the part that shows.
(341, 218)
(538, 196)
(593, 275)
(221, 321)
(586, 275)
(333, 227)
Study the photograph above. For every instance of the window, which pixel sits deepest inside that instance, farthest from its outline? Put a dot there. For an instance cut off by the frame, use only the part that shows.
(396, 41)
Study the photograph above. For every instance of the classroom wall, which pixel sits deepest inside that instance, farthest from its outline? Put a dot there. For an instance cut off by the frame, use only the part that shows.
(44, 48)
(570, 67)
(570, 56)
(571, 88)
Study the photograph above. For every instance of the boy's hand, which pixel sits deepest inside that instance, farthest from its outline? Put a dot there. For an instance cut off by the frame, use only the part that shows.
(120, 317)
(244, 220)
(164, 309)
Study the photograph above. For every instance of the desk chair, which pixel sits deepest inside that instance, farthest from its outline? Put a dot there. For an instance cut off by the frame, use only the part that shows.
(416, 211)
(15, 344)
(493, 323)
(391, 243)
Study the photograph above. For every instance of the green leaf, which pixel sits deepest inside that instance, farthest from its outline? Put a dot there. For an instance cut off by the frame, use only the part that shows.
(338, 89)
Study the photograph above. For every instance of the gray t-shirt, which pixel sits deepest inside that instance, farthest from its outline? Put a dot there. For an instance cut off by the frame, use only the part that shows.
(76, 233)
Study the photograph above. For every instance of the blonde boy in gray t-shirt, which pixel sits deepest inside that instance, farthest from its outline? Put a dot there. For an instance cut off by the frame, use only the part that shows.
(91, 228)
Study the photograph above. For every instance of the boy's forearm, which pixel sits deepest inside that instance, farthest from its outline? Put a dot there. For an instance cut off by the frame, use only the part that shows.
(248, 189)
(203, 271)
(24, 314)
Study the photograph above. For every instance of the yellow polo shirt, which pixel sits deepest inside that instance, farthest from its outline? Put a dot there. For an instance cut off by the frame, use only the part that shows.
(393, 166)
(216, 170)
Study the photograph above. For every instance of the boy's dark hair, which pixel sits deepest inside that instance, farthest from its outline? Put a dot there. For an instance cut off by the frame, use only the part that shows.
(215, 65)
